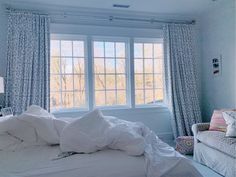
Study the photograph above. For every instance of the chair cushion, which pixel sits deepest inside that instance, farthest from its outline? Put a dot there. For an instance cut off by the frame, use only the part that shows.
(184, 145)
(218, 141)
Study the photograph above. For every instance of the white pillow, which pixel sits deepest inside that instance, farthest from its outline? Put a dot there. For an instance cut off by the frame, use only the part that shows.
(230, 119)
(20, 129)
(86, 134)
(34, 126)
(47, 127)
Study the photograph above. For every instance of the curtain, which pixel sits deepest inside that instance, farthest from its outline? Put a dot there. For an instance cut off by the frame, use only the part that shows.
(180, 78)
(28, 57)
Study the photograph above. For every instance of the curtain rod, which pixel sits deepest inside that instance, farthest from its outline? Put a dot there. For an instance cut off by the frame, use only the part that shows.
(110, 18)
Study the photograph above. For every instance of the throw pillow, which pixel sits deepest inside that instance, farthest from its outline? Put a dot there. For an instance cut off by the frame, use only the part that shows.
(230, 119)
(217, 121)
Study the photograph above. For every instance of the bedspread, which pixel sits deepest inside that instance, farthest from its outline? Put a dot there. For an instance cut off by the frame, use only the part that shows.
(95, 132)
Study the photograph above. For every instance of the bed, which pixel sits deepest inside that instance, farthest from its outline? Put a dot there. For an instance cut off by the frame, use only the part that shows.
(35, 144)
(19, 160)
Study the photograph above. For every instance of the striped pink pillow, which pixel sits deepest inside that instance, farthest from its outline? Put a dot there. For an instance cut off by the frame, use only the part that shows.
(218, 122)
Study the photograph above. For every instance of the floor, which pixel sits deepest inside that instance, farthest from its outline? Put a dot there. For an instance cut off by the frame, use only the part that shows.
(204, 170)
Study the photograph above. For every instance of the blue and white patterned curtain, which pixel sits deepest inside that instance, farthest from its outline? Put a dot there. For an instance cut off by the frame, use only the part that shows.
(180, 78)
(28, 57)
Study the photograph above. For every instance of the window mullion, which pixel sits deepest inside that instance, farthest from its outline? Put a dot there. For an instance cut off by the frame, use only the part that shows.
(131, 78)
(105, 71)
(60, 77)
(90, 77)
(144, 74)
(115, 72)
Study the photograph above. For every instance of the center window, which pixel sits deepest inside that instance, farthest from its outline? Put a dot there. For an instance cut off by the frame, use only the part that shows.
(110, 77)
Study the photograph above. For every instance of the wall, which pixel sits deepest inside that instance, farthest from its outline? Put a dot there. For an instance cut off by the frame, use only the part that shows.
(158, 119)
(3, 31)
(218, 37)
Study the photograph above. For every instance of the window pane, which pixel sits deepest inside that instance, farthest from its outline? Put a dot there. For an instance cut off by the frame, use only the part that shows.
(79, 82)
(67, 82)
(121, 81)
(55, 99)
(55, 65)
(158, 66)
(158, 81)
(55, 48)
(121, 97)
(120, 66)
(149, 81)
(100, 98)
(66, 65)
(139, 96)
(99, 65)
(79, 65)
(98, 49)
(99, 82)
(110, 66)
(148, 52)
(67, 74)
(78, 48)
(139, 84)
(120, 50)
(66, 48)
(111, 98)
(55, 83)
(110, 49)
(138, 64)
(67, 99)
(79, 98)
(159, 95)
(148, 70)
(149, 97)
(138, 50)
(110, 81)
(109, 78)
(158, 50)
(148, 63)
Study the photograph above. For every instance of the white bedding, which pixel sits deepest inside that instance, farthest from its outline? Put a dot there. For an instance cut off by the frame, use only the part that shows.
(88, 134)
(37, 161)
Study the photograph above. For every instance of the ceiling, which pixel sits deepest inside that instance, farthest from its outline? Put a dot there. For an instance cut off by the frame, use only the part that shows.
(181, 7)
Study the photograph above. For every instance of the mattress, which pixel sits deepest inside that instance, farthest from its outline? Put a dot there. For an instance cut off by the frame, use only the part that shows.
(19, 160)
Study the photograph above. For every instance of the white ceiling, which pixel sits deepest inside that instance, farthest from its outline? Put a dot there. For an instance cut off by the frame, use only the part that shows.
(181, 7)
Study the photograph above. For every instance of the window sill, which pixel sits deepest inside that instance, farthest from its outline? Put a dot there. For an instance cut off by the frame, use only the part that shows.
(137, 109)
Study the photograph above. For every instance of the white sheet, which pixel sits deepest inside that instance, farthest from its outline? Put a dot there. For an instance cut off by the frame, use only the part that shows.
(94, 132)
(35, 126)
(36, 161)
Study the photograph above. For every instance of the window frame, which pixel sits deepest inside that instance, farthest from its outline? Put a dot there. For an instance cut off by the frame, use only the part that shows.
(74, 38)
(127, 68)
(89, 70)
(149, 40)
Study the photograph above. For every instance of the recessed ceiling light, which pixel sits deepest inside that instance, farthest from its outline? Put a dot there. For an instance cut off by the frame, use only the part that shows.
(121, 6)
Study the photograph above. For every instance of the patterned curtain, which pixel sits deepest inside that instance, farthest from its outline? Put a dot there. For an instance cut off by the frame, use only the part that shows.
(27, 77)
(180, 78)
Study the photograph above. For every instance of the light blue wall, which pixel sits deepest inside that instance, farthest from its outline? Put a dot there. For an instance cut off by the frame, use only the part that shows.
(3, 31)
(158, 119)
(218, 37)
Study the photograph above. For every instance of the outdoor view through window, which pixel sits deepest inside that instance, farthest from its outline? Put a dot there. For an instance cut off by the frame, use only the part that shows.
(109, 76)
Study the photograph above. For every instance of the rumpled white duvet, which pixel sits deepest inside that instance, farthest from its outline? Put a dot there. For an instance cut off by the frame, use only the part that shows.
(95, 132)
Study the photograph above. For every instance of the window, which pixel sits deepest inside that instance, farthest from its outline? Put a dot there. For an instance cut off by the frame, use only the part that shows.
(110, 73)
(148, 64)
(67, 74)
(101, 76)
